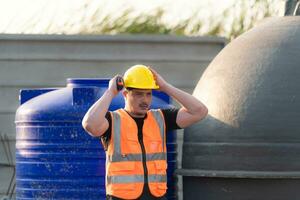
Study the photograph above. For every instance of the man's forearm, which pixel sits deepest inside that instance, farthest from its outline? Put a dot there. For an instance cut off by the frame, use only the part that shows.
(94, 120)
(189, 102)
(100, 107)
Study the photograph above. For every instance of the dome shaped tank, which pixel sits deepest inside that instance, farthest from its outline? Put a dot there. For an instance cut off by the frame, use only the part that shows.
(248, 146)
(55, 157)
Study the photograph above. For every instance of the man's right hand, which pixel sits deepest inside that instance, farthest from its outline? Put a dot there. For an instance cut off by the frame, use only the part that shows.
(113, 84)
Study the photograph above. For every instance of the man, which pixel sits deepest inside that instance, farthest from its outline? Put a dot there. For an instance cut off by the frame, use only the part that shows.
(135, 136)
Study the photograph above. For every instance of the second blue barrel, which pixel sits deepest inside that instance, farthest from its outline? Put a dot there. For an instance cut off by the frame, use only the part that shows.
(55, 157)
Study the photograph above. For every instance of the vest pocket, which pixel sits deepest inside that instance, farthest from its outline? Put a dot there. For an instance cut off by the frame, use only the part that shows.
(155, 146)
(161, 189)
(162, 186)
(161, 165)
(158, 189)
(122, 167)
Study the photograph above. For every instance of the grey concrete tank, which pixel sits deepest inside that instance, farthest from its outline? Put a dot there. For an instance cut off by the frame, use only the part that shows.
(249, 145)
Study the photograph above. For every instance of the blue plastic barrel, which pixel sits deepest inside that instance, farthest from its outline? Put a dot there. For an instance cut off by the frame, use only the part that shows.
(55, 157)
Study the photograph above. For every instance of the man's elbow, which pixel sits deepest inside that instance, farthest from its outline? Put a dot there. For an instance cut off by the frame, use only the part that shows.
(87, 127)
(202, 112)
(91, 130)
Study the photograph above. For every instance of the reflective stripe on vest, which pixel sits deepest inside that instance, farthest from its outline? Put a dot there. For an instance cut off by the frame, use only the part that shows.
(160, 121)
(135, 157)
(136, 179)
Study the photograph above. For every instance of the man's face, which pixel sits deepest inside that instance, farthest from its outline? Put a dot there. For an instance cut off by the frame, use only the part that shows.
(138, 101)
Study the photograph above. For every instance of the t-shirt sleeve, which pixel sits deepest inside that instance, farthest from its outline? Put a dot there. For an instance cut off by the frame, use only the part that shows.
(106, 136)
(170, 115)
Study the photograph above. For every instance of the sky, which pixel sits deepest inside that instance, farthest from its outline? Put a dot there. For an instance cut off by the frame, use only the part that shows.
(36, 16)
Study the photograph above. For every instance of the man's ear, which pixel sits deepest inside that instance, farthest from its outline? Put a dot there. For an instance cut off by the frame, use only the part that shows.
(125, 92)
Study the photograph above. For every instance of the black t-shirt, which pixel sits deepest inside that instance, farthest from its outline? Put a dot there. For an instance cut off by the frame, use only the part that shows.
(170, 116)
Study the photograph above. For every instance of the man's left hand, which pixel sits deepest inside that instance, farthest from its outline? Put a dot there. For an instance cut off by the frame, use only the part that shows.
(159, 80)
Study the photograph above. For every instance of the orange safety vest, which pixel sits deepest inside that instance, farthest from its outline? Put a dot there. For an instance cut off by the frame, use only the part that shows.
(124, 164)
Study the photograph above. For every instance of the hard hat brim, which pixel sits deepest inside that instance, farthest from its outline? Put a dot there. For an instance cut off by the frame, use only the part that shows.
(156, 87)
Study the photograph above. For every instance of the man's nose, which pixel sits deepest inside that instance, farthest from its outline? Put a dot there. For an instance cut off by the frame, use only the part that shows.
(144, 96)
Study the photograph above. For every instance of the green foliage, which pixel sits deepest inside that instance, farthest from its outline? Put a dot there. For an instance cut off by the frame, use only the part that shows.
(125, 23)
(248, 13)
(243, 15)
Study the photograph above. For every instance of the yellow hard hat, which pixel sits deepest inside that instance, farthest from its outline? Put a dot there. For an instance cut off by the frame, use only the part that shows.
(140, 77)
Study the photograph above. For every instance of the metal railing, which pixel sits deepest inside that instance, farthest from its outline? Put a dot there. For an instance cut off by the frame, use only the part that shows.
(4, 142)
